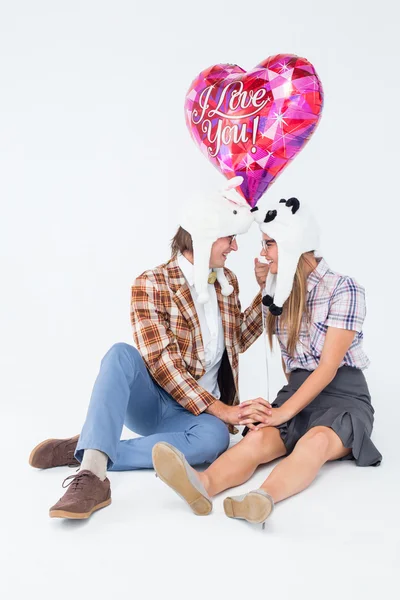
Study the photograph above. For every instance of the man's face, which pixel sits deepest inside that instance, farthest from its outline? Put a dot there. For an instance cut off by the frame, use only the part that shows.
(220, 250)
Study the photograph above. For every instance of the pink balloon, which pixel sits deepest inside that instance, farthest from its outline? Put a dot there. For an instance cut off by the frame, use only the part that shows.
(254, 123)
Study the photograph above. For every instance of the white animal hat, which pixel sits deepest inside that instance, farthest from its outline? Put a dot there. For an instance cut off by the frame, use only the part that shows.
(295, 231)
(207, 219)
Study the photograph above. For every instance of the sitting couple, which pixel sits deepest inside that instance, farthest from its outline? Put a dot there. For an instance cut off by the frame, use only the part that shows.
(178, 388)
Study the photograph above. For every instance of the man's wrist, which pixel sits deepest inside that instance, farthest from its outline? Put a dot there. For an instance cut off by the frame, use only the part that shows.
(219, 409)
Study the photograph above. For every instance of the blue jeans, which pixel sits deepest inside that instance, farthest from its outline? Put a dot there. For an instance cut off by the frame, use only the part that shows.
(125, 394)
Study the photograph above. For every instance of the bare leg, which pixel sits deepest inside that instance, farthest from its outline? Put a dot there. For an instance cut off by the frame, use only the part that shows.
(238, 464)
(299, 469)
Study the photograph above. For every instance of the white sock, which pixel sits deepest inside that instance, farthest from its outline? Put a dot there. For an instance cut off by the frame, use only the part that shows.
(96, 462)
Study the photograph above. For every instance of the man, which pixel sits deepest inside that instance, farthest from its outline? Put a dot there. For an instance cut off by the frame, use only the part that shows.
(179, 385)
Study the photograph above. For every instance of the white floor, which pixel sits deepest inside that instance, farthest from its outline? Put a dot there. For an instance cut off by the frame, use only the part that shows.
(339, 539)
(96, 164)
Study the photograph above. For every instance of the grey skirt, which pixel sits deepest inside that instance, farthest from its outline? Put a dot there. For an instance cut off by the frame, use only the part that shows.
(344, 406)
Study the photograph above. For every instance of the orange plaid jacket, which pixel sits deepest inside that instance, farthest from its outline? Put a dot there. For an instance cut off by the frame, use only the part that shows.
(167, 333)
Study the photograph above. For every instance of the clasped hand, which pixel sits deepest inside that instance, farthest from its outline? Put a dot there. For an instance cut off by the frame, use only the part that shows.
(257, 413)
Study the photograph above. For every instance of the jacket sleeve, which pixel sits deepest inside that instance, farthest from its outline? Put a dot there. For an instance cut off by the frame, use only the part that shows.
(159, 349)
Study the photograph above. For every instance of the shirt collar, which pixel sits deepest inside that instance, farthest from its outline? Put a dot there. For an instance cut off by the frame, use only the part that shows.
(315, 276)
(187, 269)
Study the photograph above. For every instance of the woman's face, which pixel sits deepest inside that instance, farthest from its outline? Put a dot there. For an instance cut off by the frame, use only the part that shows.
(270, 252)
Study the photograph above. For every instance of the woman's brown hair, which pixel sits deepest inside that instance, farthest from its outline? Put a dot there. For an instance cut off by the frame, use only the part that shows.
(294, 308)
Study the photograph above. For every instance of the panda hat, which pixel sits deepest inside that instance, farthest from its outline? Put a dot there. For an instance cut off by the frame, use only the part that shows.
(209, 218)
(295, 232)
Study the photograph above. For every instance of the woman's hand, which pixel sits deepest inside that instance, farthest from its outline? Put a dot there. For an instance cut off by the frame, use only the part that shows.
(247, 413)
(261, 272)
(278, 416)
(254, 411)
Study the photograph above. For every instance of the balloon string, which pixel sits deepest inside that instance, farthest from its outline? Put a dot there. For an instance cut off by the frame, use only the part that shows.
(265, 349)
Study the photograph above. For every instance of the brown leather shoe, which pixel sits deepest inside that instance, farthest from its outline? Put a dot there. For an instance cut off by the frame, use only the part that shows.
(54, 453)
(86, 494)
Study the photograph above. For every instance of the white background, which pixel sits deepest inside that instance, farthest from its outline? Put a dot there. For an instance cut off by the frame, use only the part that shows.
(95, 161)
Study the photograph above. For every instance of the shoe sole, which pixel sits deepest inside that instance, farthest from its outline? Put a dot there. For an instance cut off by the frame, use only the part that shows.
(66, 514)
(171, 470)
(254, 508)
(36, 448)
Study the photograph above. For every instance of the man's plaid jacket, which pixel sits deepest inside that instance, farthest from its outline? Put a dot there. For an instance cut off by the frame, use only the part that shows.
(167, 333)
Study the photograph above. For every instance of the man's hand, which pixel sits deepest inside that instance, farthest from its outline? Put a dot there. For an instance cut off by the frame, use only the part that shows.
(246, 413)
(249, 412)
(261, 272)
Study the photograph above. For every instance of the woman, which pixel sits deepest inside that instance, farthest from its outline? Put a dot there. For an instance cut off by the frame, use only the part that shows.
(324, 413)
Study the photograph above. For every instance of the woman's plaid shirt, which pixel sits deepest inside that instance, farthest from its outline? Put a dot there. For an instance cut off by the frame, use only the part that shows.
(333, 300)
(166, 331)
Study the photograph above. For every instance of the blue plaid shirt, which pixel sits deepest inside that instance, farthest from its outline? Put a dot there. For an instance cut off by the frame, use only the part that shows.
(333, 300)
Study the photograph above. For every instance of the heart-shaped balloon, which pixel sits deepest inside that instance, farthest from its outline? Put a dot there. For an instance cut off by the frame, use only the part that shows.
(254, 123)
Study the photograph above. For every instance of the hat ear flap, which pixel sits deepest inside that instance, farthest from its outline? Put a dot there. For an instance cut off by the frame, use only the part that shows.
(285, 277)
(226, 287)
(269, 289)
